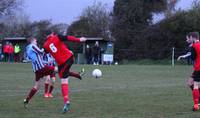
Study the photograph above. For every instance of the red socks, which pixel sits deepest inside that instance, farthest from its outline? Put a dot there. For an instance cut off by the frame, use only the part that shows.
(31, 94)
(65, 90)
(46, 86)
(195, 94)
(191, 87)
(47, 89)
(51, 88)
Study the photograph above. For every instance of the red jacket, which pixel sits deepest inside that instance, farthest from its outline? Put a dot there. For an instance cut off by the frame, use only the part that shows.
(6, 48)
(10, 49)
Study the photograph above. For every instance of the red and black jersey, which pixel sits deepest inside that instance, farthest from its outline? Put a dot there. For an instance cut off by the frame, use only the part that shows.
(196, 55)
(57, 48)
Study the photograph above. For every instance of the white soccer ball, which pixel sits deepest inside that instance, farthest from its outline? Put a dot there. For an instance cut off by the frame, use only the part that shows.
(96, 73)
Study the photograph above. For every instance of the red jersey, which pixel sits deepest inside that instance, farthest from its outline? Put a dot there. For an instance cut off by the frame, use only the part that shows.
(196, 47)
(57, 48)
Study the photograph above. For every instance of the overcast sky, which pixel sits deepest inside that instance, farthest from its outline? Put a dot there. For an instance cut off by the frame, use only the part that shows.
(66, 11)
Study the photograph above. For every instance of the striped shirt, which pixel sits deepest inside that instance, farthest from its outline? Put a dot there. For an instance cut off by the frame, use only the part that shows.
(49, 60)
(35, 55)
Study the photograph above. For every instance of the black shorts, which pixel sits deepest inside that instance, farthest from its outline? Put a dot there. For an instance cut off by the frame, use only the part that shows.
(196, 76)
(63, 70)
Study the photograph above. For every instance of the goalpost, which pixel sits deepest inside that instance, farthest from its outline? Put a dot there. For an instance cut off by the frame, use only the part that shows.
(173, 56)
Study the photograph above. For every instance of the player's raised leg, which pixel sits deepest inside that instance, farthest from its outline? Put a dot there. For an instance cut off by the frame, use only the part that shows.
(77, 75)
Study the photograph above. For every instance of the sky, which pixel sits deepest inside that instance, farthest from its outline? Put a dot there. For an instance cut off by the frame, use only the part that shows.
(182, 4)
(67, 11)
(59, 11)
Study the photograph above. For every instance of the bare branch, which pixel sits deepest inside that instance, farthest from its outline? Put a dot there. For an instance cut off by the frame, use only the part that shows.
(8, 6)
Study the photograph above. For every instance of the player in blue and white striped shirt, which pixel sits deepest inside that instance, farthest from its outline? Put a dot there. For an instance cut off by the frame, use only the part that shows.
(35, 55)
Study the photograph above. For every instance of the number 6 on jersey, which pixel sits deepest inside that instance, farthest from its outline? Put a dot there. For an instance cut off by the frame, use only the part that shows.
(53, 48)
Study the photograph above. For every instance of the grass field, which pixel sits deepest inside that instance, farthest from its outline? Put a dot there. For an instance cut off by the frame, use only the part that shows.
(124, 91)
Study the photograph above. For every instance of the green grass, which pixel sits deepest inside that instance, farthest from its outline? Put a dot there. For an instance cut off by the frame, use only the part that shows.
(148, 62)
(124, 91)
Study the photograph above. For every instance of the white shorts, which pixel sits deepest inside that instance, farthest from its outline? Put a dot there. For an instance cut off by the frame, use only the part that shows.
(190, 82)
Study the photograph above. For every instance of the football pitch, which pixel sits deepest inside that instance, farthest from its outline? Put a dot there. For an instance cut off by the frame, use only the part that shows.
(124, 91)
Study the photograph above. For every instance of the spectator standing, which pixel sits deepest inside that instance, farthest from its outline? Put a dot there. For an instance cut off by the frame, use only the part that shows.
(96, 53)
(6, 51)
(88, 54)
(10, 52)
(17, 51)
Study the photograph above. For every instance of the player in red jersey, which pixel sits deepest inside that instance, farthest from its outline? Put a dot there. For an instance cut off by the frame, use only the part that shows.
(55, 45)
(193, 37)
(190, 81)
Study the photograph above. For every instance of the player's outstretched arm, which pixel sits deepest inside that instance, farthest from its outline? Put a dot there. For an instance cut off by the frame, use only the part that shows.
(71, 38)
(184, 56)
(179, 58)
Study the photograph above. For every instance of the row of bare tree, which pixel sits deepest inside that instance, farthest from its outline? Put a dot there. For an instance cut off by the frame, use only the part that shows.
(129, 24)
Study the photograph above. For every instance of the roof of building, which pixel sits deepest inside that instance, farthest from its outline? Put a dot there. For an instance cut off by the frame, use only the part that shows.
(98, 39)
(94, 39)
(14, 38)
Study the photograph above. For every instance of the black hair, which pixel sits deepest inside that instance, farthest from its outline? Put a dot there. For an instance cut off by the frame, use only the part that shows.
(194, 35)
(48, 32)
